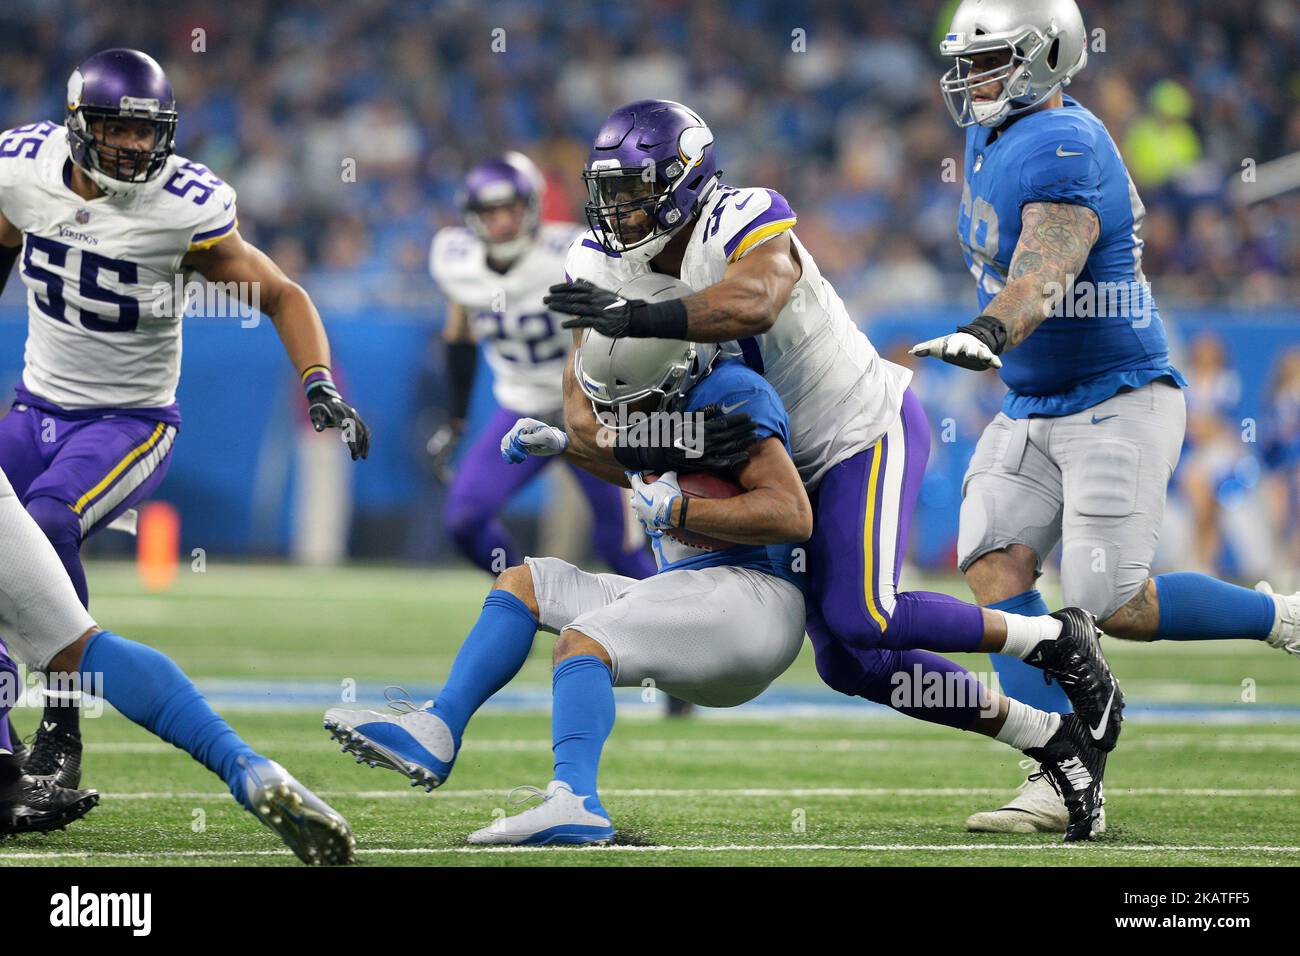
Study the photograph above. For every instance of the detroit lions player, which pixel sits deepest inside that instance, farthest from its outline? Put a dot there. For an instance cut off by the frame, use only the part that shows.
(1090, 430)
(715, 626)
(494, 271)
(48, 629)
(106, 217)
(858, 434)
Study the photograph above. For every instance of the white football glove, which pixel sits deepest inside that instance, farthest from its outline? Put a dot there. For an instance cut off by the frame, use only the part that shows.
(529, 437)
(653, 502)
(960, 348)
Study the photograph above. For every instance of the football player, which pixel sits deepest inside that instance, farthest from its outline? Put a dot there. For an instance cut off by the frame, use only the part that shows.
(48, 629)
(717, 624)
(107, 217)
(495, 270)
(30, 804)
(858, 434)
(1091, 428)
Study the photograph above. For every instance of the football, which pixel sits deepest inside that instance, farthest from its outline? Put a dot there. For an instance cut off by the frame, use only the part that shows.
(702, 484)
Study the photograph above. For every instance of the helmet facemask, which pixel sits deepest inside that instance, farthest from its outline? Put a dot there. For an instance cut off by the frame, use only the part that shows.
(629, 209)
(117, 170)
(1024, 49)
(507, 250)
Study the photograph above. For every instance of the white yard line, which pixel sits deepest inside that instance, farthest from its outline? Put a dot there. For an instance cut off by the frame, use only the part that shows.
(208, 796)
(695, 848)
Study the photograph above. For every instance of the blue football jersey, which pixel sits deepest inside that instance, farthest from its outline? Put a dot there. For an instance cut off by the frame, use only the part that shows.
(732, 385)
(1105, 336)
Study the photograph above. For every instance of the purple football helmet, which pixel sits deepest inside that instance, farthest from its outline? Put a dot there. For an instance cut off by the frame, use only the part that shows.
(651, 169)
(120, 85)
(508, 178)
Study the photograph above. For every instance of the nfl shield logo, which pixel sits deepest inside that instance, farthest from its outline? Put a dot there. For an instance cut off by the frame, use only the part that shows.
(83, 216)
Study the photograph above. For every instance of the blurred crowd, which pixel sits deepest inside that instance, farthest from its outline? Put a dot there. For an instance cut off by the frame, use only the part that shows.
(346, 128)
(833, 102)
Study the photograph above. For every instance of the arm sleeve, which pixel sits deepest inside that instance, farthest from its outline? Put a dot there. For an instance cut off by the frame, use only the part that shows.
(462, 357)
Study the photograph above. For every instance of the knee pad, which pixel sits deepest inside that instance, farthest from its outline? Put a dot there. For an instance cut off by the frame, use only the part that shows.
(1094, 578)
(60, 523)
(853, 625)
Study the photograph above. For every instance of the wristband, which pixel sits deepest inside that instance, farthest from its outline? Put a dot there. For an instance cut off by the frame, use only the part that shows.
(315, 376)
(988, 330)
(681, 519)
(658, 320)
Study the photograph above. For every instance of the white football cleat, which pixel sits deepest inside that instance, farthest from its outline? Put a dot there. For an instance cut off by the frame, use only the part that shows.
(1037, 809)
(311, 828)
(1286, 624)
(416, 743)
(561, 818)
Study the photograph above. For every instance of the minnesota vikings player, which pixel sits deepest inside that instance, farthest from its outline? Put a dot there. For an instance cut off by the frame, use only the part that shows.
(714, 626)
(858, 435)
(1091, 427)
(495, 270)
(106, 218)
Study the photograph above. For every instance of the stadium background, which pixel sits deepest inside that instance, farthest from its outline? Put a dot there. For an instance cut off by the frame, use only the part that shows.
(834, 104)
(278, 96)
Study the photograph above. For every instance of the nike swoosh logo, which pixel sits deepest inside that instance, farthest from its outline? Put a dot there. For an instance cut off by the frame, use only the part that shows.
(616, 304)
(1061, 151)
(1097, 733)
(742, 205)
(228, 205)
(728, 409)
(1104, 418)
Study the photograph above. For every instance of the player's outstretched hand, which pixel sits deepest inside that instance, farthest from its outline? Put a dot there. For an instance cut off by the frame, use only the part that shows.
(591, 307)
(653, 502)
(327, 409)
(528, 436)
(441, 448)
(960, 348)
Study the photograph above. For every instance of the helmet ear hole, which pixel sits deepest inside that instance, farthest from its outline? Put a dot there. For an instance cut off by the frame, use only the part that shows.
(1053, 53)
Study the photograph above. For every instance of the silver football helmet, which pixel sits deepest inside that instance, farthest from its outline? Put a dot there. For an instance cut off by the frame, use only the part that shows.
(1047, 43)
(613, 372)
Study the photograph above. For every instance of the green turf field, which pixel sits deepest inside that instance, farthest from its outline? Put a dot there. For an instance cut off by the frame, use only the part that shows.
(1202, 776)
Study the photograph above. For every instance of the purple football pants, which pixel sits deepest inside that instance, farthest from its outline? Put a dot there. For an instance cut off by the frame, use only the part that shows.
(484, 483)
(9, 691)
(870, 639)
(76, 475)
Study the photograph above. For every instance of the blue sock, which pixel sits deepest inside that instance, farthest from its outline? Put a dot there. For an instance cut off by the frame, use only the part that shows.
(1197, 607)
(147, 687)
(1021, 681)
(582, 716)
(490, 656)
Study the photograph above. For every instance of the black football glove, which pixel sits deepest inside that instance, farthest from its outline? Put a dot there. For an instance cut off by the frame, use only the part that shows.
(614, 316)
(723, 446)
(327, 409)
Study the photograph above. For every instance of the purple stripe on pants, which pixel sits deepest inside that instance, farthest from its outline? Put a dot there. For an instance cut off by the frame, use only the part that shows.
(484, 484)
(855, 654)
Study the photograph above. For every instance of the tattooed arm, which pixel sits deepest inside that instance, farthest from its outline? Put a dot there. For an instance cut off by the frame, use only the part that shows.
(1055, 241)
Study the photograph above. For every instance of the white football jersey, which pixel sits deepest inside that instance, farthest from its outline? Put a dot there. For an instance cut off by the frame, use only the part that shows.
(526, 347)
(840, 394)
(104, 324)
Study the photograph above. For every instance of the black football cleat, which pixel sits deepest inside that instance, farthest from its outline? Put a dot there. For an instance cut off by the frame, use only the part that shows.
(1074, 766)
(55, 755)
(1075, 661)
(35, 805)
